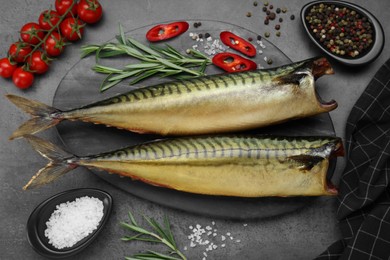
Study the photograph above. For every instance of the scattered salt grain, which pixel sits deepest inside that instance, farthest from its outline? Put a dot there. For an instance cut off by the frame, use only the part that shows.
(73, 221)
(208, 239)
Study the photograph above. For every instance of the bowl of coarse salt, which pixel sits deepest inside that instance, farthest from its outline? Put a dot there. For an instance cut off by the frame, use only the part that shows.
(68, 222)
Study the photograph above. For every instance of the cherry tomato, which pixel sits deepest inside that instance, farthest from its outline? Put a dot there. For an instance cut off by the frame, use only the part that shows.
(18, 51)
(231, 62)
(6, 68)
(62, 6)
(237, 43)
(54, 44)
(166, 31)
(22, 79)
(90, 11)
(48, 19)
(72, 28)
(38, 62)
(31, 33)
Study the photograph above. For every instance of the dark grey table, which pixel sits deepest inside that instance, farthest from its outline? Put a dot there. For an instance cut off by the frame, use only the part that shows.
(299, 235)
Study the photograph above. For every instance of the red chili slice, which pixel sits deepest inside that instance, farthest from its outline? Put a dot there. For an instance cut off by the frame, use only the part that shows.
(237, 43)
(166, 31)
(231, 62)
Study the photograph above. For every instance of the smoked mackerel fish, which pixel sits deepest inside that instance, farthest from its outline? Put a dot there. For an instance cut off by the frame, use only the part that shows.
(206, 105)
(225, 165)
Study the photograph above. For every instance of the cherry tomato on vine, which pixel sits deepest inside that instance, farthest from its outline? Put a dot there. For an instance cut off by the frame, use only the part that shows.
(72, 29)
(231, 62)
(166, 31)
(6, 68)
(90, 11)
(48, 19)
(62, 6)
(31, 33)
(237, 43)
(22, 79)
(18, 51)
(54, 44)
(38, 62)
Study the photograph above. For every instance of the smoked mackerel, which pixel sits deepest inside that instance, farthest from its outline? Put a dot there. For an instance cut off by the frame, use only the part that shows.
(205, 105)
(239, 166)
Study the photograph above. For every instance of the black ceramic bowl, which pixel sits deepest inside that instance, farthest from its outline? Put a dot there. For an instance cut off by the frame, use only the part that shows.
(36, 223)
(378, 36)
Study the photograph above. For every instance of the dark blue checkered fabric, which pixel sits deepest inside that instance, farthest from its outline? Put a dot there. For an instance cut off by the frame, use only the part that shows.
(364, 198)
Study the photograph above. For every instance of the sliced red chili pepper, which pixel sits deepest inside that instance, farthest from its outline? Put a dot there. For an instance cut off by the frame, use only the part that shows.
(166, 31)
(231, 62)
(237, 43)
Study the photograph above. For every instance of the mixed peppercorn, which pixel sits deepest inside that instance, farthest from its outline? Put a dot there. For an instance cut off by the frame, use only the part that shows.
(272, 14)
(343, 31)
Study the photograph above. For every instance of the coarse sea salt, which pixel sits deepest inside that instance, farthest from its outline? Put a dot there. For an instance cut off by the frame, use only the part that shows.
(73, 221)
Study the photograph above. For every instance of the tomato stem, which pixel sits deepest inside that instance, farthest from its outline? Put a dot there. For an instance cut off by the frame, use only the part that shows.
(48, 32)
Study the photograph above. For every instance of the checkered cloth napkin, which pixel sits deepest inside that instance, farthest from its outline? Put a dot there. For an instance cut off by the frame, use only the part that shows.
(364, 198)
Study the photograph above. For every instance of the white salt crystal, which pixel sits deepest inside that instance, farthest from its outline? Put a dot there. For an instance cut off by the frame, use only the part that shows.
(73, 221)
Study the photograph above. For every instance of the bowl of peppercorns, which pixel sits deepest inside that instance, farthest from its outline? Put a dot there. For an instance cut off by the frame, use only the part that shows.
(345, 31)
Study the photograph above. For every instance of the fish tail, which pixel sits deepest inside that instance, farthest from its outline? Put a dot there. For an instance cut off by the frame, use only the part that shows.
(44, 116)
(60, 162)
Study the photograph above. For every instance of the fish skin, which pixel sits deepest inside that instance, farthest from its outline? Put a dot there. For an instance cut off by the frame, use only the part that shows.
(239, 166)
(205, 105)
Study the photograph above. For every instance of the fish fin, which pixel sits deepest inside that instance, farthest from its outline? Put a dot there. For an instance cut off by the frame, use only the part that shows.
(34, 125)
(49, 173)
(42, 114)
(306, 162)
(60, 162)
(294, 78)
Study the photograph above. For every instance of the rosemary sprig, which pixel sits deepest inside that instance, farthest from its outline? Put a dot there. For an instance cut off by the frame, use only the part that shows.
(161, 233)
(153, 60)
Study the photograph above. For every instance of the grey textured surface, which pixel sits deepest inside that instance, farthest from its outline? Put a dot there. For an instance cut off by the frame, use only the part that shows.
(299, 235)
